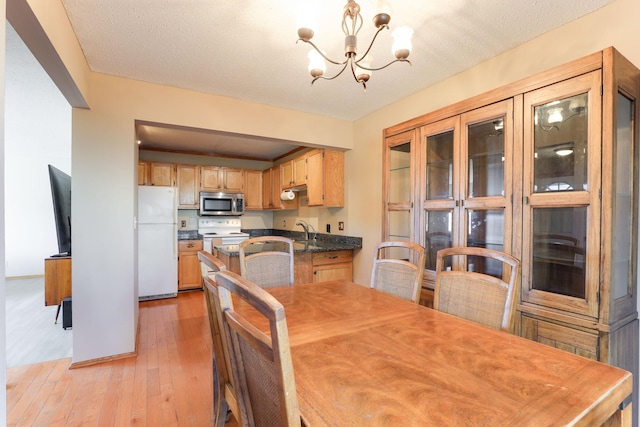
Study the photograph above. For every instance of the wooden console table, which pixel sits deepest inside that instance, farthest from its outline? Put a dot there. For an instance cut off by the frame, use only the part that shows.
(57, 281)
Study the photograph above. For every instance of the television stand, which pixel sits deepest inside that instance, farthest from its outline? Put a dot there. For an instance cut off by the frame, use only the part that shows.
(57, 280)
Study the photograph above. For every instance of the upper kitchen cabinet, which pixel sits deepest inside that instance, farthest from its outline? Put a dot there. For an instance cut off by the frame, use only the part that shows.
(293, 173)
(271, 189)
(162, 174)
(253, 189)
(143, 173)
(325, 178)
(216, 178)
(188, 183)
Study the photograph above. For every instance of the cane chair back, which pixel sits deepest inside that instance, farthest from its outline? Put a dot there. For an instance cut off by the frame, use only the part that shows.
(210, 266)
(401, 277)
(262, 366)
(479, 297)
(267, 261)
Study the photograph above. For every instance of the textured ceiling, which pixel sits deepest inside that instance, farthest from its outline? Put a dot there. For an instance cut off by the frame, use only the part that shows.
(246, 49)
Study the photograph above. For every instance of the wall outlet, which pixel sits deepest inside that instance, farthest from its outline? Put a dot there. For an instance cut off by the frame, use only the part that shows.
(183, 223)
(341, 225)
(284, 223)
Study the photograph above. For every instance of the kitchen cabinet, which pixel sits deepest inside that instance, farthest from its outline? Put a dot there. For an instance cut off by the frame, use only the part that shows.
(545, 169)
(293, 173)
(216, 178)
(143, 173)
(253, 189)
(189, 272)
(325, 178)
(333, 265)
(162, 174)
(271, 189)
(309, 267)
(188, 184)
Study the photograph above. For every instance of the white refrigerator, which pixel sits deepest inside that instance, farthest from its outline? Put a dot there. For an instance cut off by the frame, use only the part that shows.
(157, 243)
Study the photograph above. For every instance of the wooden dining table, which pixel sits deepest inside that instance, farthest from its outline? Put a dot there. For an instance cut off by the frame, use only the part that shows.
(365, 358)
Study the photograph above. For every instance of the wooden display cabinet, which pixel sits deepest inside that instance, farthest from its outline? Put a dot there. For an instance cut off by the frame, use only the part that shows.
(546, 169)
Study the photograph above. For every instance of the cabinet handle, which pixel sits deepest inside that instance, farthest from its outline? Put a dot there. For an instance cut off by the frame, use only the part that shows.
(190, 246)
(333, 257)
(315, 272)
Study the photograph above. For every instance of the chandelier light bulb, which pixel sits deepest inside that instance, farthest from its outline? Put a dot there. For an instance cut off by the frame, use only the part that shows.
(317, 66)
(307, 24)
(402, 42)
(382, 13)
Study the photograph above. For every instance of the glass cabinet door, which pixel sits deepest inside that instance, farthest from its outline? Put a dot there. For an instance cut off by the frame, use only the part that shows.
(465, 187)
(439, 147)
(399, 167)
(561, 211)
(484, 209)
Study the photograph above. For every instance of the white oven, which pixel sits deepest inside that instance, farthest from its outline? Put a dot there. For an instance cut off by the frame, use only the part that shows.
(220, 231)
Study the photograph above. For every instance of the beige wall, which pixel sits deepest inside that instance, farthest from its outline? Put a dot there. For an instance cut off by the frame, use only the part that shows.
(614, 25)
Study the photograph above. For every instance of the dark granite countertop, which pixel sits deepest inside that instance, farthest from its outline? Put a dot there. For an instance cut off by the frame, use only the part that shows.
(322, 243)
(189, 235)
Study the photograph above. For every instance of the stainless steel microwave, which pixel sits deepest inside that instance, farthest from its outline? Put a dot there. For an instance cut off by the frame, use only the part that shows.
(213, 204)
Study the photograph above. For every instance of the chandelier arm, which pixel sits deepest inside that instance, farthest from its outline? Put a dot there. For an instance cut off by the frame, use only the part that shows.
(353, 73)
(384, 66)
(344, 64)
(371, 43)
(322, 54)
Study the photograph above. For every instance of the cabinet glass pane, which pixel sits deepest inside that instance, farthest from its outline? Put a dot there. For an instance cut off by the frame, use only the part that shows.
(559, 238)
(399, 225)
(440, 166)
(400, 173)
(439, 235)
(485, 230)
(560, 145)
(486, 159)
(622, 241)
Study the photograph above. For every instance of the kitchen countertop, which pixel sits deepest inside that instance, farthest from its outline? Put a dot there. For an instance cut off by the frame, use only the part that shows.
(323, 243)
(189, 235)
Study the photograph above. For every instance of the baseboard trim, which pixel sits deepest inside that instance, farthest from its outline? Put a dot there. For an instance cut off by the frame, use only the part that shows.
(92, 362)
(34, 276)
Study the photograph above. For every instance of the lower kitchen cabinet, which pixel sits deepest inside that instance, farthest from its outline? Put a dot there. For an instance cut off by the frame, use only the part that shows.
(309, 267)
(189, 273)
(332, 266)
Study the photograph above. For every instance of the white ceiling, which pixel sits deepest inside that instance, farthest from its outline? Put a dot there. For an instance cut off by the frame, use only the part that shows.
(246, 49)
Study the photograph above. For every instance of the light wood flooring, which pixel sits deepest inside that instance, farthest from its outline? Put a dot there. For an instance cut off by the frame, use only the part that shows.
(169, 383)
(32, 334)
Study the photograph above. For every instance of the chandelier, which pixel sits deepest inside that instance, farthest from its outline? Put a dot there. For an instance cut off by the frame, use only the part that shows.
(360, 67)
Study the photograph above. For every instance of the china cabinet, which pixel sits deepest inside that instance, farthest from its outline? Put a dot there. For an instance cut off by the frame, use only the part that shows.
(546, 169)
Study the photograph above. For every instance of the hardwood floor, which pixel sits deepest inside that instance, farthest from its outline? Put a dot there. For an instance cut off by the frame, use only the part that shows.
(169, 383)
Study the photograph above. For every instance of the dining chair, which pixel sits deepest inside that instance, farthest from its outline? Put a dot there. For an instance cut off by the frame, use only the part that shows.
(473, 295)
(210, 266)
(262, 366)
(267, 261)
(398, 268)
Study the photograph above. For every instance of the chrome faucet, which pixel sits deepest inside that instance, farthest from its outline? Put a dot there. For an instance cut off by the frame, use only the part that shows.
(305, 226)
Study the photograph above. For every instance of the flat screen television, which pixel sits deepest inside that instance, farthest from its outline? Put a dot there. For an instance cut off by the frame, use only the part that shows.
(61, 195)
